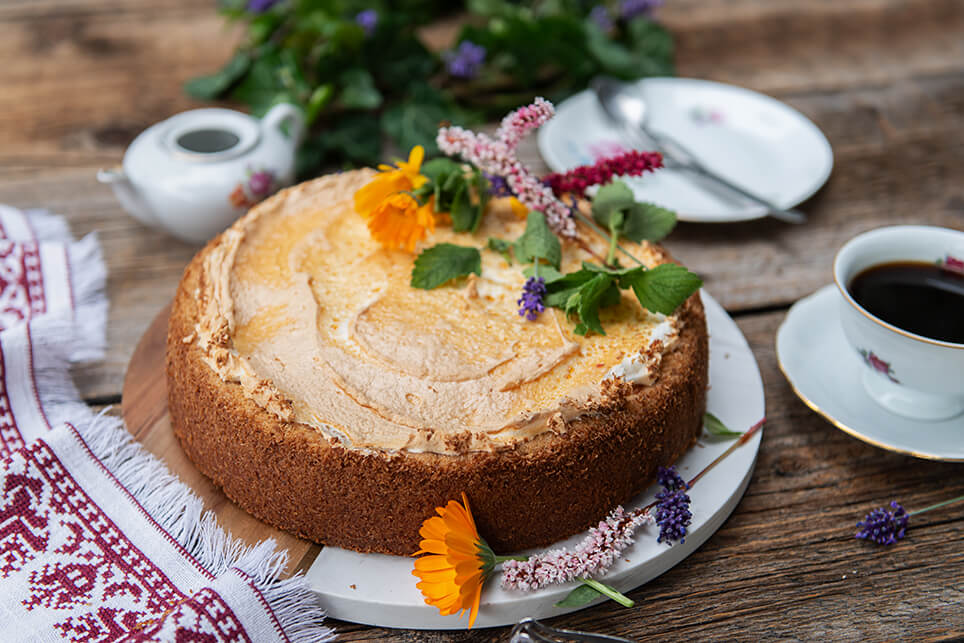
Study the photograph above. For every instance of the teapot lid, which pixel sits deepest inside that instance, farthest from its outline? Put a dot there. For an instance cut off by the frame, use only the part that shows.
(209, 135)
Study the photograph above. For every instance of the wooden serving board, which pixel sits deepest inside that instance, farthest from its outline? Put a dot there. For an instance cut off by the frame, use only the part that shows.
(144, 406)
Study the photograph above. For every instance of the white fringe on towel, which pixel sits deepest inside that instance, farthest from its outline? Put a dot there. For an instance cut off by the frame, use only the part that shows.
(88, 277)
(180, 512)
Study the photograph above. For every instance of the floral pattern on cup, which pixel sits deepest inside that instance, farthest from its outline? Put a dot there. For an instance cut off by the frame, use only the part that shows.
(258, 184)
(878, 364)
(702, 115)
(951, 264)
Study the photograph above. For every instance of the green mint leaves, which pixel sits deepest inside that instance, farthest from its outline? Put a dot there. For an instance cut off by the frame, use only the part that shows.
(538, 242)
(663, 288)
(459, 191)
(584, 292)
(442, 263)
(615, 208)
(715, 427)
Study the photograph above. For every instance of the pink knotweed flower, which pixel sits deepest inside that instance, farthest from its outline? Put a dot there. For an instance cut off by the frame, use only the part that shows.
(594, 555)
(498, 156)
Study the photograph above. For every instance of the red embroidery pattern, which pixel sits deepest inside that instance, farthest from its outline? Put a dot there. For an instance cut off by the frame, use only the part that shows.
(200, 618)
(10, 438)
(21, 283)
(73, 559)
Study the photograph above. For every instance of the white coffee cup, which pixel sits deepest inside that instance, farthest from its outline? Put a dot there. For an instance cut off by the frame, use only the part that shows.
(908, 374)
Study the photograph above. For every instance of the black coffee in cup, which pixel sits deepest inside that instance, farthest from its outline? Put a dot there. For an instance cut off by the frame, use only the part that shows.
(920, 298)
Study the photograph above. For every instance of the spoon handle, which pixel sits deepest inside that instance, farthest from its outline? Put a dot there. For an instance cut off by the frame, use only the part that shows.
(685, 159)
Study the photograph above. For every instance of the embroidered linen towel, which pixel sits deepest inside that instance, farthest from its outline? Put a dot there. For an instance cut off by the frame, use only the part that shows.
(98, 541)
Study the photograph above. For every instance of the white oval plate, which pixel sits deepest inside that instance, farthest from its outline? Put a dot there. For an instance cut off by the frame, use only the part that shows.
(754, 140)
(376, 589)
(825, 372)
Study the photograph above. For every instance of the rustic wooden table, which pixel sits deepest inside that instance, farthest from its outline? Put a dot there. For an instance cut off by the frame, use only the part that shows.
(884, 79)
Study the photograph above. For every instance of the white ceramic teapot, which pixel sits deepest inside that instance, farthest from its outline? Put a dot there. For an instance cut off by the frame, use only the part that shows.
(193, 174)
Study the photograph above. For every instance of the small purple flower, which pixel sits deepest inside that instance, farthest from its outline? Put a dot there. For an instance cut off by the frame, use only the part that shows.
(883, 526)
(260, 183)
(600, 15)
(260, 6)
(497, 185)
(465, 61)
(672, 506)
(672, 515)
(530, 303)
(367, 20)
(629, 9)
(670, 479)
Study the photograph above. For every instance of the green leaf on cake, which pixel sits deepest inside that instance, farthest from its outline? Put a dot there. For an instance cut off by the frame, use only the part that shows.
(663, 288)
(503, 247)
(442, 263)
(538, 242)
(715, 427)
(611, 198)
(548, 273)
(615, 208)
(648, 222)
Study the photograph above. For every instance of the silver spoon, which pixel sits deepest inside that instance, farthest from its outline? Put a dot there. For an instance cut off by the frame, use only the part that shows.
(627, 108)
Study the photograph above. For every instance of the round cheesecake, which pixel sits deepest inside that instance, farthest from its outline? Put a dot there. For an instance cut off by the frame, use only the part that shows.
(328, 397)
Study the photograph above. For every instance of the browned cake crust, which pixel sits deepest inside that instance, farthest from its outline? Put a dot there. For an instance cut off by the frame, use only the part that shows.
(534, 494)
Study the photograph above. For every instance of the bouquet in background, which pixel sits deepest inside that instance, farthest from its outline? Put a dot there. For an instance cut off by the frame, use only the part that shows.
(357, 68)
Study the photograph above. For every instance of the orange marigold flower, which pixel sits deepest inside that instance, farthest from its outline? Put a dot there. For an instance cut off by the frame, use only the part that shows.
(457, 563)
(400, 222)
(403, 177)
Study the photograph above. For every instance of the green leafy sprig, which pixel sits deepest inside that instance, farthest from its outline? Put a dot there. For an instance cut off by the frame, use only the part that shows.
(360, 88)
(615, 208)
(444, 262)
(538, 242)
(583, 292)
(459, 189)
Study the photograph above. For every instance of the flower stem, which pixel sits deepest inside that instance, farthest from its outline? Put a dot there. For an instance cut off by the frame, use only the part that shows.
(608, 591)
(608, 237)
(733, 447)
(613, 239)
(502, 559)
(937, 506)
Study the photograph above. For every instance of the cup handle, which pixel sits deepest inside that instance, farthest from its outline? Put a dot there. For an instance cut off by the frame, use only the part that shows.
(285, 113)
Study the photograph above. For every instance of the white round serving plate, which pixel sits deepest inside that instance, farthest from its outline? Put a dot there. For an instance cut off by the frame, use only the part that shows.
(754, 140)
(825, 372)
(376, 589)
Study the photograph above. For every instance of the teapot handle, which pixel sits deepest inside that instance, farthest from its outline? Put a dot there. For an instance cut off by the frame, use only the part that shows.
(282, 113)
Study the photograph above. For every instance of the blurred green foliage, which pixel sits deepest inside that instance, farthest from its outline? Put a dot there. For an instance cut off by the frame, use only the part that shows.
(363, 85)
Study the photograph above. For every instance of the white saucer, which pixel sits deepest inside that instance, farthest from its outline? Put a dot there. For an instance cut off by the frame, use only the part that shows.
(752, 139)
(825, 372)
(380, 590)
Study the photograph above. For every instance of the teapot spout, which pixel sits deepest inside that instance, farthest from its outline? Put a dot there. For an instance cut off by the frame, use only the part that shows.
(129, 197)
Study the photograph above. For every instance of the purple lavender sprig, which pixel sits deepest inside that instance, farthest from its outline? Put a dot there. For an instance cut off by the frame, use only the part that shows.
(883, 526)
(530, 303)
(672, 506)
(465, 61)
